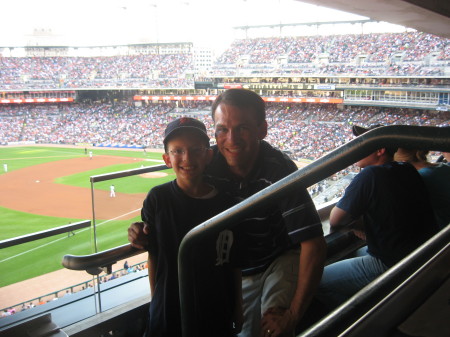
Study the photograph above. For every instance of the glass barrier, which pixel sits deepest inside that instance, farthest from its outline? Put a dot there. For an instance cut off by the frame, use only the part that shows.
(32, 275)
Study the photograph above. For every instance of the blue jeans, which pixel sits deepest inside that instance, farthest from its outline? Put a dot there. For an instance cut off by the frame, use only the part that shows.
(343, 279)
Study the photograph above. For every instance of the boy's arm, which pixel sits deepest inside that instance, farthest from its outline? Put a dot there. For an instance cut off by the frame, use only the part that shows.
(138, 237)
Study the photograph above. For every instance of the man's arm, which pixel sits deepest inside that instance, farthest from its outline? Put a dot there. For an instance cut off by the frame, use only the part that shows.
(312, 259)
(238, 311)
(311, 263)
(339, 218)
(151, 274)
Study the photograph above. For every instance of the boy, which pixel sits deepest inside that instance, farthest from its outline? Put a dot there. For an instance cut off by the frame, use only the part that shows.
(170, 211)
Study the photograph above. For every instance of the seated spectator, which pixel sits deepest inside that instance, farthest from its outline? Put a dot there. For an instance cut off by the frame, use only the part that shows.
(392, 201)
(437, 180)
(445, 157)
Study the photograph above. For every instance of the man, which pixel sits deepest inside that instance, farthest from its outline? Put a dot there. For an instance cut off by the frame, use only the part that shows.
(392, 201)
(278, 283)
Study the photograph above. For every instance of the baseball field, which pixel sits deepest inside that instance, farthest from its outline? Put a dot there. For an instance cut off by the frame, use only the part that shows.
(43, 187)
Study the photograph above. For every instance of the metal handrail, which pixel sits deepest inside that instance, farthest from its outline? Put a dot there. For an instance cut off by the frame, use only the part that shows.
(364, 301)
(108, 257)
(115, 175)
(94, 263)
(44, 234)
(126, 173)
(418, 137)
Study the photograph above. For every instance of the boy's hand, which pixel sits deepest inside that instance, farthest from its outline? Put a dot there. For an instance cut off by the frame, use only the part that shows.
(137, 235)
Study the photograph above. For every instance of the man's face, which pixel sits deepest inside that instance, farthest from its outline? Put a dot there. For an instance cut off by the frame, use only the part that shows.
(238, 135)
(374, 158)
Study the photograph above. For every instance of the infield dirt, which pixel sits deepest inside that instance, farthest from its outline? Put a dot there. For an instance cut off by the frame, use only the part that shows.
(33, 190)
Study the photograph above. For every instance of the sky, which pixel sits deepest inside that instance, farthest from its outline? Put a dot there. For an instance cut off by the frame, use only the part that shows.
(112, 22)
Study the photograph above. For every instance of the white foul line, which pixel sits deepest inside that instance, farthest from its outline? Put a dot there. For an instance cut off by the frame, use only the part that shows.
(51, 242)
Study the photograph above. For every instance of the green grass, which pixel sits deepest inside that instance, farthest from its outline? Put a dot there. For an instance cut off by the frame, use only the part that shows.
(14, 223)
(44, 256)
(20, 157)
(36, 258)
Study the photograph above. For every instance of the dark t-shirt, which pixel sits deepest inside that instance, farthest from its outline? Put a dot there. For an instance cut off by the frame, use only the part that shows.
(287, 222)
(394, 203)
(171, 214)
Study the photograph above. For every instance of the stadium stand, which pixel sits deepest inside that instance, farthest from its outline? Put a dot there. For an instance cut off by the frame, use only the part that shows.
(399, 54)
(411, 53)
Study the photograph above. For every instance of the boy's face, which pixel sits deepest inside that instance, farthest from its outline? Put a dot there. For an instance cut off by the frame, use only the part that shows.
(188, 155)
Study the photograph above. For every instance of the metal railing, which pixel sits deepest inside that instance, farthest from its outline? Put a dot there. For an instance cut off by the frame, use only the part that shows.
(115, 175)
(94, 264)
(37, 236)
(44, 234)
(352, 317)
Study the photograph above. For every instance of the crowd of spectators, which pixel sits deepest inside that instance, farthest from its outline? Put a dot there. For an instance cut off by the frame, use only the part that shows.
(409, 53)
(306, 131)
(154, 70)
(414, 46)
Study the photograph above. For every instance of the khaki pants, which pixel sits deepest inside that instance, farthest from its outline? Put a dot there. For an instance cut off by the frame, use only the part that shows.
(274, 287)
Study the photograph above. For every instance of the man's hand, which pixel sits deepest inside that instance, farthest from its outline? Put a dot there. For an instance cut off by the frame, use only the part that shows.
(360, 234)
(137, 235)
(278, 322)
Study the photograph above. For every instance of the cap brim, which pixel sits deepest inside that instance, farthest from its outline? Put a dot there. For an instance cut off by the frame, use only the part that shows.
(185, 128)
(358, 130)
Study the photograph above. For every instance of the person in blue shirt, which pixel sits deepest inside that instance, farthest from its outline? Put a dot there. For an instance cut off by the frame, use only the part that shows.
(391, 201)
(437, 180)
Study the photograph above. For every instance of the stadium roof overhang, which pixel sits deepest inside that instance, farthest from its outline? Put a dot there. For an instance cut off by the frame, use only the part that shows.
(423, 15)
